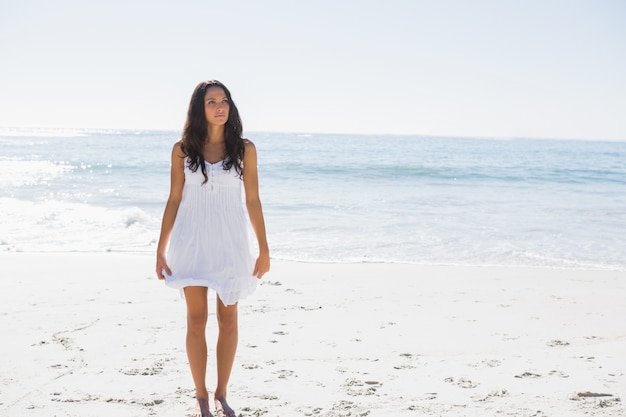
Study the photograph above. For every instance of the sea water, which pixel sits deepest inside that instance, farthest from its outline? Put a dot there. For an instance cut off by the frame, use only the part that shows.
(334, 198)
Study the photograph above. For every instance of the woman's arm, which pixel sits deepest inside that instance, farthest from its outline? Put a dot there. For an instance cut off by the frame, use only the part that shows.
(255, 210)
(177, 181)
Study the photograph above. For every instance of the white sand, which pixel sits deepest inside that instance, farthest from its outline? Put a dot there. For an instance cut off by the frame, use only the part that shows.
(97, 335)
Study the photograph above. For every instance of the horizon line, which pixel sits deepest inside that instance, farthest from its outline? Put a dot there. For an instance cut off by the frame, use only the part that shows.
(27, 129)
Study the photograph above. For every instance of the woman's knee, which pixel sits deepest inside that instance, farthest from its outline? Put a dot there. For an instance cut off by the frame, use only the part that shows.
(196, 309)
(227, 318)
(196, 322)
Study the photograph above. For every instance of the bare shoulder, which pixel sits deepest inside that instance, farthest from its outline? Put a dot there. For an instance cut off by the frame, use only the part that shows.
(178, 148)
(248, 144)
(250, 149)
(177, 152)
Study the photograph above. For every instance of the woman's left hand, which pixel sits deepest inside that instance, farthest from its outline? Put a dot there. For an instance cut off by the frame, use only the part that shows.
(262, 265)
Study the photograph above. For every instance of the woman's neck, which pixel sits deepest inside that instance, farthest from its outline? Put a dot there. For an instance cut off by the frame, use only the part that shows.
(215, 134)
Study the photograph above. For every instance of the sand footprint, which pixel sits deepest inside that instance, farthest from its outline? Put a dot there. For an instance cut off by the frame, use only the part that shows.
(284, 374)
(428, 396)
(348, 408)
(557, 343)
(256, 412)
(156, 367)
(355, 387)
(490, 363)
(309, 411)
(596, 400)
(589, 394)
(407, 358)
(492, 394)
(529, 375)
(461, 382)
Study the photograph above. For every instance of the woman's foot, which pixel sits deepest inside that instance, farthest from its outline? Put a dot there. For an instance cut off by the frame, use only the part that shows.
(203, 405)
(223, 409)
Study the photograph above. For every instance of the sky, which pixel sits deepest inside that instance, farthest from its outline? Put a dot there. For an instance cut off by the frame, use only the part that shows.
(479, 68)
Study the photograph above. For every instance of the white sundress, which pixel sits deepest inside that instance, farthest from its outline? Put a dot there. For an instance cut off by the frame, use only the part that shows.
(210, 241)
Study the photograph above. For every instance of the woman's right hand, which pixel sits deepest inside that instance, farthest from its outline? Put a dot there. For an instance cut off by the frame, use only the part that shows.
(161, 267)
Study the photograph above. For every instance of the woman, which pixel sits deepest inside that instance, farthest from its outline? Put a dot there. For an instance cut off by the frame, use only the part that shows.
(206, 229)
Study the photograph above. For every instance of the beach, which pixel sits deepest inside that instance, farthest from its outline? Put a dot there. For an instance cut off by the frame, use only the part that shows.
(93, 334)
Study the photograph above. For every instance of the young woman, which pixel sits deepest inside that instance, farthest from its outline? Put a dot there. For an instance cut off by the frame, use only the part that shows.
(204, 242)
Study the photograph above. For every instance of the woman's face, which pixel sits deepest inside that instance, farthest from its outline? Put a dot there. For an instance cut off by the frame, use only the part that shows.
(216, 106)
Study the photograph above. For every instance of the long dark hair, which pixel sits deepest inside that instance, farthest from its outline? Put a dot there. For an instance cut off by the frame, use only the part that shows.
(197, 128)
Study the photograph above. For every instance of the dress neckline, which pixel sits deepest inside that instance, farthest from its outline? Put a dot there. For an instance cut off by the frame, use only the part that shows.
(214, 163)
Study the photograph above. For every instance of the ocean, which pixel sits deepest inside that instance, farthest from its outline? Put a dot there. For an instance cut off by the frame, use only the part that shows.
(334, 198)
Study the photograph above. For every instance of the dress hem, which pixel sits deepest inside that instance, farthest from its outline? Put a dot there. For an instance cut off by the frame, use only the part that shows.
(240, 294)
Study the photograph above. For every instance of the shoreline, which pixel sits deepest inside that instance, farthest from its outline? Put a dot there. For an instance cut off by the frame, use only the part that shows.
(96, 333)
(588, 268)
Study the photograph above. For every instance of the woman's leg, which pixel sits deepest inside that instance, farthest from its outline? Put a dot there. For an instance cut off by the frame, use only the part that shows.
(197, 313)
(225, 352)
